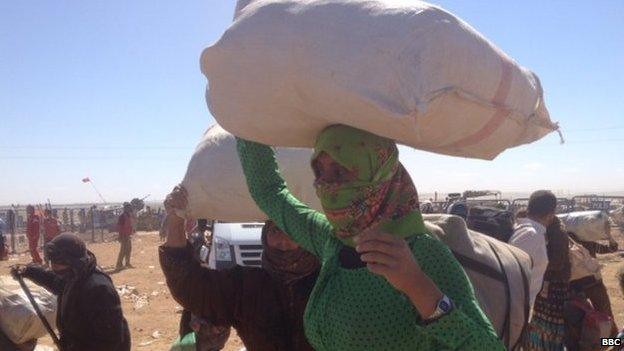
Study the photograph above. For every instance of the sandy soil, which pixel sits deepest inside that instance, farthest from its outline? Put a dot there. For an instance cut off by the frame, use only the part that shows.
(155, 325)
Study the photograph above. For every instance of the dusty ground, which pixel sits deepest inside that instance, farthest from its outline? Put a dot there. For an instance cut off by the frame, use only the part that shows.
(612, 263)
(155, 325)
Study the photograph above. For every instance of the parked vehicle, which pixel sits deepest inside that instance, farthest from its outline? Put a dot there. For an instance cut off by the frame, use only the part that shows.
(236, 244)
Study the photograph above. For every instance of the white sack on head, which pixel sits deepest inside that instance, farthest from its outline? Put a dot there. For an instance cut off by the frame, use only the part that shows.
(18, 319)
(588, 225)
(217, 188)
(240, 5)
(406, 70)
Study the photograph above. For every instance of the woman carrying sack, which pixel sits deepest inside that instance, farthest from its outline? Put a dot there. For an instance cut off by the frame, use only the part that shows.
(385, 284)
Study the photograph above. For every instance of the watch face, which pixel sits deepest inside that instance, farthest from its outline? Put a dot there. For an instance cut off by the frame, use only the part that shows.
(444, 306)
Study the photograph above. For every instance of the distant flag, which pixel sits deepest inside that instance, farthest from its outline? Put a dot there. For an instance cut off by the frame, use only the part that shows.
(88, 180)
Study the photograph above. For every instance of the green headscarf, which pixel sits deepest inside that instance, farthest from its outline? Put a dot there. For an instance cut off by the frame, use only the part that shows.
(379, 192)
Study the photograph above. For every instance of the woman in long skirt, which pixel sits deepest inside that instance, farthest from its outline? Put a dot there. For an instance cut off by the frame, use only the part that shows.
(547, 326)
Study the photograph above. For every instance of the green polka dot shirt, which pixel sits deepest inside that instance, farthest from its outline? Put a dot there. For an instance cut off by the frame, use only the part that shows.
(354, 309)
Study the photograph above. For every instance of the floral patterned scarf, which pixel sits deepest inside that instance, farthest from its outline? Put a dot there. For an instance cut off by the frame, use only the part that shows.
(379, 193)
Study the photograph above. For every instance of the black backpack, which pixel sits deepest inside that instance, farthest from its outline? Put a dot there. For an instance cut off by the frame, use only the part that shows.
(491, 221)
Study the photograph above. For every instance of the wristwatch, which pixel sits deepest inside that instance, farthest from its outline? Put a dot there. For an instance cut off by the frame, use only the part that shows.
(444, 307)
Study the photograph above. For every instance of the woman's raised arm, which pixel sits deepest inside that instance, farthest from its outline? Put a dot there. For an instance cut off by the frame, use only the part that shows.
(307, 227)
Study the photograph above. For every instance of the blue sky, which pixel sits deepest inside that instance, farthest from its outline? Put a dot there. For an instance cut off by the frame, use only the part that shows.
(112, 90)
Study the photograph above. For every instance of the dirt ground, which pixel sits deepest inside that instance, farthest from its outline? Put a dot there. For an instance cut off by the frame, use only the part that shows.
(155, 326)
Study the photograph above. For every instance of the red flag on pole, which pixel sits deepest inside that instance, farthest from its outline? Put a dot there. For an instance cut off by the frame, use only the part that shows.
(86, 180)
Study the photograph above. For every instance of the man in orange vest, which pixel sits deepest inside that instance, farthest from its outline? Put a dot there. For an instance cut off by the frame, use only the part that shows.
(32, 232)
(125, 227)
(51, 229)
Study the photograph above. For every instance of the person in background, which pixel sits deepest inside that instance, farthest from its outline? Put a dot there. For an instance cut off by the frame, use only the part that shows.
(33, 227)
(51, 229)
(82, 218)
(593, 287)
(547, 329)
(125, 227)
(103, 224)
(90, 224)
(65, 218)
(72, 225)
(162, 232)
(11, 227)
(265, 305)
(208, 337)
(458, 208)
(89, 309)
(4, 248)
(530, 235)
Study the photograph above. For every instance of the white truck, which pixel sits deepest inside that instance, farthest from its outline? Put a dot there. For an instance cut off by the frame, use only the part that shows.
(235, 244)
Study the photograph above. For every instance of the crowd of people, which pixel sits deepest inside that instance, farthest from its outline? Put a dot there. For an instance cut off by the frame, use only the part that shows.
(362, 275)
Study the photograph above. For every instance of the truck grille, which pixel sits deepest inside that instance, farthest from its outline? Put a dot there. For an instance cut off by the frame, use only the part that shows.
(249, 255)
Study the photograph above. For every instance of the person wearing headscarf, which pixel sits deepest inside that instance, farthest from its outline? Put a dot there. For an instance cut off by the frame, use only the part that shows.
(89, 315)
(547, 329)
(265, 305)
(385, 284)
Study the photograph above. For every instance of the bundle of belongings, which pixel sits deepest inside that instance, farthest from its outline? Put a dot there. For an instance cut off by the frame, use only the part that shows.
(19, 322)
(405, 70)
(499, 272)
(216, 185)
(617, 216)
(495, 222)
(588, 225)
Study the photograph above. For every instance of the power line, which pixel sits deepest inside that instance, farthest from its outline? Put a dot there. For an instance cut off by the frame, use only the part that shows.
(96, 147)
(162, 157)
(592, 129)
(593, 141)
(88, 158)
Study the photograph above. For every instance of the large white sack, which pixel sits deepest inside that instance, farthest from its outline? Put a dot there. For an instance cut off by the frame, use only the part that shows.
(216, 185)
(588, 225)
(18, 319)
(617, 216)
(582, 264)
(407, 70)
(499, 272)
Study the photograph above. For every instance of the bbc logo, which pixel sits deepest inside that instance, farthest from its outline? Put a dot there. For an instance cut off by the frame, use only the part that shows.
(611, 341)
